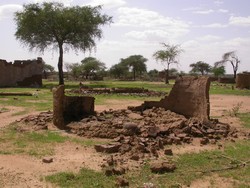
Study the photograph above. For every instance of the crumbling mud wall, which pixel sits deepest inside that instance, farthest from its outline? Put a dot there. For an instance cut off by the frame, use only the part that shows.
(226, 80)
(189, 97)
(70, 108)
(243, 80)
(21, 73)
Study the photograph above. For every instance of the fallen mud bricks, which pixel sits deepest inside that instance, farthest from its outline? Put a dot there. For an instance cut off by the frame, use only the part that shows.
(138, 136)
(122, 91)
(153, 128)
(37, 122)
(189, 97)
(27, 73)
(143, 132)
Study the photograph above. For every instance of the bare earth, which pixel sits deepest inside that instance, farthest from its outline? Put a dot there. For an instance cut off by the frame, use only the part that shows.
(26, 171)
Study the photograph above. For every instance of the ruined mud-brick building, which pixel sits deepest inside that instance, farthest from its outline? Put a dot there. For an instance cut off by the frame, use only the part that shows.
(70, 108)
(189, 97)
(243, 80)
(21, 73)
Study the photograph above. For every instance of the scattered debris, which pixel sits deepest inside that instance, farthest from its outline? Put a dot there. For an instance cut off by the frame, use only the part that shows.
(121, 91)
(47, 160)
(143, 132)
(121, 182)
(162, 167)
(109, 148)
(142, 138)
(37, 122)
(15, 94)
(110, 171)
(168, 152)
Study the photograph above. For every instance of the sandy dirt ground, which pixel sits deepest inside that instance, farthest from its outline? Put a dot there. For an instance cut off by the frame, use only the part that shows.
(27, 171)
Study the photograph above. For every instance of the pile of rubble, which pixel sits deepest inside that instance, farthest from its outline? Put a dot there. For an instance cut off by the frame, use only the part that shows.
(141, 92)
(143, 132)
(36, 122)
(148, 131)
(138, 136)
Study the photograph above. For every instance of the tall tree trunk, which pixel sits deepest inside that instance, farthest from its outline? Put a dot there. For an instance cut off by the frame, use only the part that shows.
(235, 73)
(235, 68)
(134, 74)
(166, 76)
(60, 65)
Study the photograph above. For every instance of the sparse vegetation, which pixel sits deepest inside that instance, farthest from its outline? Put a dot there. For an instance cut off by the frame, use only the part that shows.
(228, 163)
(42, 101)
(245, 119)
(2, 110)
(37, 144)
(190, 167)
(235, 110)
(31, 143)
(85, 178)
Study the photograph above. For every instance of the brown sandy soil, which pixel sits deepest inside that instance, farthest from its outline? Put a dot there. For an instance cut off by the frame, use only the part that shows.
(27, 171)
(214, 181)
(220, 104)
(117, 104)
(11, 115)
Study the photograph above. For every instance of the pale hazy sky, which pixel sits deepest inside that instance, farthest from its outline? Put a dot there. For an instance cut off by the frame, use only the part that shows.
(205, 29)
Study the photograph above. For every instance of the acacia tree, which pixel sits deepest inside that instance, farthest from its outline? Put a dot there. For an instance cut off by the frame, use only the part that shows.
(137, 63)
(168, 56)
(119, 70)
(90, 66)
(46, 25)
(201, 67)
(218, 70)
(232, 58)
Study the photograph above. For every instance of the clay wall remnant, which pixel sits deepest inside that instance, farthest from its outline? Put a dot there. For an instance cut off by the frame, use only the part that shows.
(226, 80)
(189, 97)
(70, 108)
(243, 80)
(21, 73)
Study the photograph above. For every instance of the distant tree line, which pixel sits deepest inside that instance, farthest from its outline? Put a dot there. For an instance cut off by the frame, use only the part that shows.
(48, 26)
(134, 67)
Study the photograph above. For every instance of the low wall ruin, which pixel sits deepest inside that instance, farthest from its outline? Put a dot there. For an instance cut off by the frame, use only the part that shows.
(70, 108)
(243, 80)
(189, 97)
(25, 73)
(226, 80)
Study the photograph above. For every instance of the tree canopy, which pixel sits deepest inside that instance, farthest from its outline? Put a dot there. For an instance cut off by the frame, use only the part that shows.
(232, 58)
(200, 67)
(90, 66)
(168, 56)
(51, 25)
(119, 70)
(136, 63)
(219, 70)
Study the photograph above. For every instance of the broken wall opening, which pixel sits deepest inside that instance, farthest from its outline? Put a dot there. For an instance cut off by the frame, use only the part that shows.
(70, 108)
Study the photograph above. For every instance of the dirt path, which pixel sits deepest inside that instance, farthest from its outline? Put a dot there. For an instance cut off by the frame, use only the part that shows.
(219, 104)
(12, 113)
(27, 171)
